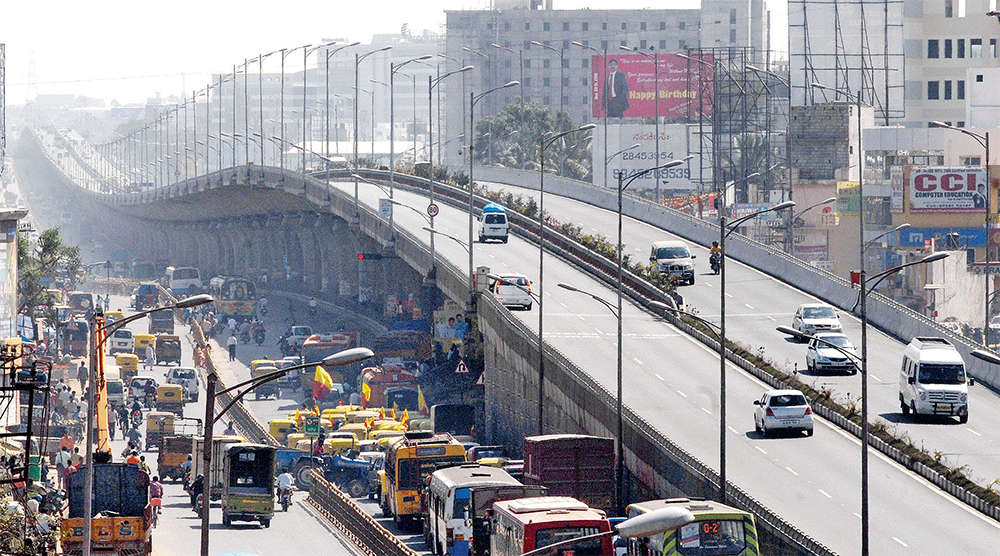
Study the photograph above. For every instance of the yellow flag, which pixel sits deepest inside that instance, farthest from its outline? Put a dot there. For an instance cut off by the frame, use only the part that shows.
(421, 402)
(366, 394)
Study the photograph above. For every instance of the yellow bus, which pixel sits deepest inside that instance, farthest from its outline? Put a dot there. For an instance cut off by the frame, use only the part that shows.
(409, 460)
(717, 529)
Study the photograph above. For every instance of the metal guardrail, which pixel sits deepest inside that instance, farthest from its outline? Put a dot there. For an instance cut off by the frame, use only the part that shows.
(360, 528)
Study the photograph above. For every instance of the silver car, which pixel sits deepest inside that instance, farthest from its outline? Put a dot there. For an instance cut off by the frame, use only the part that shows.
(816, 317)
(782, 410)
(821, 356)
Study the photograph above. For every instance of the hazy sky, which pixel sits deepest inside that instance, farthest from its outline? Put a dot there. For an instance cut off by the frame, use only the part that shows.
(130, 50)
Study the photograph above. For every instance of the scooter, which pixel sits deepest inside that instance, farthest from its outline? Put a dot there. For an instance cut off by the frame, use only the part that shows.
(285, 498)
(258, 335)
(715, 260)
(198, 503)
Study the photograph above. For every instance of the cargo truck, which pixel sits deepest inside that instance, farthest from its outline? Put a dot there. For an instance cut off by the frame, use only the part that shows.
(575, 465)
(121, 512)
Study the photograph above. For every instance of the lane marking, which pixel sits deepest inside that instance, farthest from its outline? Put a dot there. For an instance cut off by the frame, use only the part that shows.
(792, 471)
(772, 318)
(732, 430)
(661, 378)
(683, 395)
(824, 493)
(857, 515)
(728, 294)
(749, 306)
(639, 362)
(708, 284)
(761, 450)
(706, 411)
(900, 542)
(972, 431)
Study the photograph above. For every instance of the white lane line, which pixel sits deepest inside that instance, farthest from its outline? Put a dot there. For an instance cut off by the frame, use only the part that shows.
(599, 332)
(564, 306)
(732, 430)
(728, 294)
(683, 395)
(877, 379)
(706, 411)
(792, 471)
(749, 306)
(661, 379)
(900, 542)
(824, 493)
(772, 318)
(708, 284)
(637, 360)
(580, 317)
(857, 515)
(972, 431)
(761, 450)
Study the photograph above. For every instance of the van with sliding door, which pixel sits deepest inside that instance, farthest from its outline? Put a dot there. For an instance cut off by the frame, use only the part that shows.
(493, 223)
(932, 379)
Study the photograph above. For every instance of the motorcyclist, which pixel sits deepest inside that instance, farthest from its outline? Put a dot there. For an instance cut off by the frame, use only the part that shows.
(284, 482)
(244, 332)
(197, 487)
(715, 249)
(257, 331)
(715, 256)
(135, 437)
(312, 305)
(149, 392)
(122, 416)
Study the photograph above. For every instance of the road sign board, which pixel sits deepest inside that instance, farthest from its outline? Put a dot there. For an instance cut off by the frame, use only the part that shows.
(432, 210)
(462, 368)
(311, 426)
(385, 208)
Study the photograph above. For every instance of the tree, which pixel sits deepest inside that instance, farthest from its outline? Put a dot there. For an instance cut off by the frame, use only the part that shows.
(40, 265)
(515, 133)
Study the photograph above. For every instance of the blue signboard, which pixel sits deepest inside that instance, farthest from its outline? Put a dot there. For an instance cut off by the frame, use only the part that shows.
(915, 237)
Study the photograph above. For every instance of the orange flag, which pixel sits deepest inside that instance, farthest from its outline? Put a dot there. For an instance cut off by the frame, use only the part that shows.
(394, 412)
(381, 413)
(298, 414)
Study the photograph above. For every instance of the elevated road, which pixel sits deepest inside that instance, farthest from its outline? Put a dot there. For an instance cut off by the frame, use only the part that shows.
(811, 482)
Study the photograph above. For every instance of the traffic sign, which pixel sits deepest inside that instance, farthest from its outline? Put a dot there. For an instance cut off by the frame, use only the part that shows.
(462, 368)
(432, 210)
(312, 426)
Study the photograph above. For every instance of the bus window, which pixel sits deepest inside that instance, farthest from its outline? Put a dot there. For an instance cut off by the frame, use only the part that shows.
(710, 537)
(545, 537)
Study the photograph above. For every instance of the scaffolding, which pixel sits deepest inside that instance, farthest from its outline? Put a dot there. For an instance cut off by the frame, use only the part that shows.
(3, 107)
(848, 45)
(26, 380)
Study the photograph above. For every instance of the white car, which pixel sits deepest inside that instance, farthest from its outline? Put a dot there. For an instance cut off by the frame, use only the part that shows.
(187, 378)
(816, 317)
(822, 356)
(513, 290)
(122, 341)
(782, 410)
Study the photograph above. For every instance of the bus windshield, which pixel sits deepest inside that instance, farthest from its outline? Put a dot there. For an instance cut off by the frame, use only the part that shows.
(545, 537)
(238, 290)
(712, 537)
(413, 470)
(941, 374)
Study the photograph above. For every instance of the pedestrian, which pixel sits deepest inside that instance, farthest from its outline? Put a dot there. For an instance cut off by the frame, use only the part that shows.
(76, 459)
(143, 464)
(150, 356)
(229, 430)
(231, 344)
(111, 426)
(107, 302)
(82, 375)
(63, 461)
(232, 324)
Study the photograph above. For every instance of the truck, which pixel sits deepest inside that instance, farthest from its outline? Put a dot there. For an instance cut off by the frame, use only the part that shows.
(219, 446)
(318, 346)
(575, 465)
(453, 418)
(390, 386)
(398, 347)
(121, 512)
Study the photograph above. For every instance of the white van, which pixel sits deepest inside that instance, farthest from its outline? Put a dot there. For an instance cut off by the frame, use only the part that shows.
(673, 258)
(116, 390)
(183, 279)
(493, 223)
(932, 379)
(122, 341)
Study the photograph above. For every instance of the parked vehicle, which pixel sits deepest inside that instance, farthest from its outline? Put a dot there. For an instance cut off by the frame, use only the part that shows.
(447, 530)
(932, 379)
(574, 465)
(820, 356)
(673, 258)
(186, 378)
(530, 523)
(717, 529)
(119, 491)
(493, 223)
(816, 317)
(248, 484)
(782, 410)
(513, 290)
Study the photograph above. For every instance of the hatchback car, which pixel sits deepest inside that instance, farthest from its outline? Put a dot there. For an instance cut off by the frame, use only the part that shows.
(816, 317)
(187, 378)
(121, 341)
(782, 410)
(821, 356)
(513, 290)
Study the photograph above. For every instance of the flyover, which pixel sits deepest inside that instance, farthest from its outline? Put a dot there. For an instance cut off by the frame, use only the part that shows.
(811, 482)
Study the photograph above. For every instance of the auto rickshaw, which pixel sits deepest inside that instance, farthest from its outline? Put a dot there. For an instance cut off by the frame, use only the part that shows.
(281, 428)
(248, 484)
(384, 433)
(113, 316)
(340, 442)
(167, 349)
(170, 397)
(268, 388)
(173, 453)
(386, 425)
(358, 429)
(360, 416)
(293, 438)
(128, 363)
(260, 363)
(158, 425)
(141, 341)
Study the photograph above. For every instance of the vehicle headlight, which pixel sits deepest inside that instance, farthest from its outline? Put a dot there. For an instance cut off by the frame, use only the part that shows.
(923, 395)
(964, 397)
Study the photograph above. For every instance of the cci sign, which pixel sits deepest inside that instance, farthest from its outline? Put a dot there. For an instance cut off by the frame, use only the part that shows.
(947, 190)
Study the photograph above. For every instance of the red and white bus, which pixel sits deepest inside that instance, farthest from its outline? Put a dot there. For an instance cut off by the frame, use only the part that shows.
(525, 524)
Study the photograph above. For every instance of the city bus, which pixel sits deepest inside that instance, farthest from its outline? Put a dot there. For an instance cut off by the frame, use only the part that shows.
(318, 346)
(235, 296)
(447, 527)
(182, 279)
(409, 460)
(718, 529)
(522, 525)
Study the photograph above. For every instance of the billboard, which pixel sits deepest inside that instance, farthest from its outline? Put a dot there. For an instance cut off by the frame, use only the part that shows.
(676, 141)
(848, 198)
(628, 83)
(942, 189)
(969, 237)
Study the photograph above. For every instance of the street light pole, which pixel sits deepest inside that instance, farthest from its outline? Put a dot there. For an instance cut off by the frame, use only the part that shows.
(326, 111)
(393, 68)
(656, 102)
(358, 58)
(790, 228)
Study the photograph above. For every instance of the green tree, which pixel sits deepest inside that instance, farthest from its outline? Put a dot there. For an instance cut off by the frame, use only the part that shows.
(41, 263)
(515, 132)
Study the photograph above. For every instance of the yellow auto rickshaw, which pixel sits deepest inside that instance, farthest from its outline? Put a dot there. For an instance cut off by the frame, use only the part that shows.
(358, 429)
(360, 416)
(141, 341)
(260, 363)
(385, 433)
(158, 425)
(170, 397)
(128, 363)
(340, 442)
(114, 316)
(292, 439)
(267, 388)
(167, 349)
(281, 428)
(386, 425)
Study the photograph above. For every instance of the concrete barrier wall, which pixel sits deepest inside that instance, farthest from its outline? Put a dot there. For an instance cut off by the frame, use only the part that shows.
(891, 317)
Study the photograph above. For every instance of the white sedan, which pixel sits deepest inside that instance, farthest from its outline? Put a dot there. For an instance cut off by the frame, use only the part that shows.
(821, 356)
(782, 410)
(513, 290)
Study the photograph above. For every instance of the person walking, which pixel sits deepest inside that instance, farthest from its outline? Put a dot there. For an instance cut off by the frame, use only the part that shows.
(231, 344)
(82, 375)
(63, 461)
(150, 357)
(229, 430)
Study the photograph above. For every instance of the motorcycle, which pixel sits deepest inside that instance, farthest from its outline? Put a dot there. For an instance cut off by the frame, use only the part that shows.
(285, 498)
(136, 419)
(245, 337)
(715, 260)
(258, 335)
(199, 501)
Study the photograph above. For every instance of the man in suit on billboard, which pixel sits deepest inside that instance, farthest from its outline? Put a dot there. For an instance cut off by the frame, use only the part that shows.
(615, 91)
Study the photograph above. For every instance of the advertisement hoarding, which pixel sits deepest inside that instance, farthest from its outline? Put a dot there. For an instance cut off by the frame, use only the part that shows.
(942, 189)
(629, 84)
(896, 183)
(676, 141)
(848, 198)
(969, 237)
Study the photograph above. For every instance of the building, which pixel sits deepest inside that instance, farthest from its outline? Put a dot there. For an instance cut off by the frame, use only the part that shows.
(558, 75)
